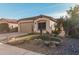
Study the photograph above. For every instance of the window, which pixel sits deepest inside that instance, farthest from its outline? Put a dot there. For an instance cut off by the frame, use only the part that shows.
(42, 26)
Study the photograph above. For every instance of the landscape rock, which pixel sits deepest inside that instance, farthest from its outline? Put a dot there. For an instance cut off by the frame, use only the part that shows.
(15, 41)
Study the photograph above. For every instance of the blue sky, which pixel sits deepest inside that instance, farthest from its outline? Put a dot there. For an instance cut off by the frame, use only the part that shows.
(21, 10)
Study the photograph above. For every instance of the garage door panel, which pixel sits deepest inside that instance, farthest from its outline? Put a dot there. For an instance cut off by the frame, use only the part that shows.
(26, 27)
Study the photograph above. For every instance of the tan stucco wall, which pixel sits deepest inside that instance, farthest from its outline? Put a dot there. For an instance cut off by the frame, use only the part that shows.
(12, 25)
(42, 20)
(52, 25)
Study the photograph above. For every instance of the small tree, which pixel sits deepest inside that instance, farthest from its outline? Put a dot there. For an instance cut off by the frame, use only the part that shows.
(60, 23)
(71, 24)
(41, 31)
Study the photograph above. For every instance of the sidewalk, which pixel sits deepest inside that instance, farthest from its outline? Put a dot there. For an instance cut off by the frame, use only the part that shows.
(6, 49)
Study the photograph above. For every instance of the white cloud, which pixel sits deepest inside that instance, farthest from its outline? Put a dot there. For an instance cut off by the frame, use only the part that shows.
(58, 15)
(76, 3)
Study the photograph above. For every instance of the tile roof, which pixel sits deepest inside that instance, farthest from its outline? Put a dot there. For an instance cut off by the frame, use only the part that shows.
(9, 20)
(36, 17)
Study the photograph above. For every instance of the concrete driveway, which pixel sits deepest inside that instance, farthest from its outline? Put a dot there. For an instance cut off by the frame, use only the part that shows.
(6, 49)
(6, 35)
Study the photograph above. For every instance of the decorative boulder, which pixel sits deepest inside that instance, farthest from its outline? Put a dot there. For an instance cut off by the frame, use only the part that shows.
(14, 41)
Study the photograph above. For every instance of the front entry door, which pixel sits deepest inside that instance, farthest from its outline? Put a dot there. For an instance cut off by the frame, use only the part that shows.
(42, 26)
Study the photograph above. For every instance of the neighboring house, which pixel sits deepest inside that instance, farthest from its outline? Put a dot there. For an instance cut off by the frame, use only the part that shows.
(11, 22)
(33, 24)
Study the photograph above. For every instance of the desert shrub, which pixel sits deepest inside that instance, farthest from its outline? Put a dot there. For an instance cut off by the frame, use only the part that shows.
(55, 39)
(51, 40)
(45, 37)
(56, 32)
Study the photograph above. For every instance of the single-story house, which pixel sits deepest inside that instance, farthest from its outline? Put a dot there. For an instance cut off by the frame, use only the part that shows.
(34, 24)
(11, 22)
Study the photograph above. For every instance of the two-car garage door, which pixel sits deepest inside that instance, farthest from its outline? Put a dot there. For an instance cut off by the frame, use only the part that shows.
(26, 27)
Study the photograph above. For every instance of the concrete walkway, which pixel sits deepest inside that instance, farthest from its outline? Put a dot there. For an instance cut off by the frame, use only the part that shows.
(6, 49)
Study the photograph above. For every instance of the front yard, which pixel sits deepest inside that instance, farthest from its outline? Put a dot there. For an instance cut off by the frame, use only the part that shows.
(68, 46)
(33, 42)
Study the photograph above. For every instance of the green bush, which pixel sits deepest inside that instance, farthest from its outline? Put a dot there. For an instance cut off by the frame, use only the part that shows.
(47, 37)
(55, 39)
(50, 40)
